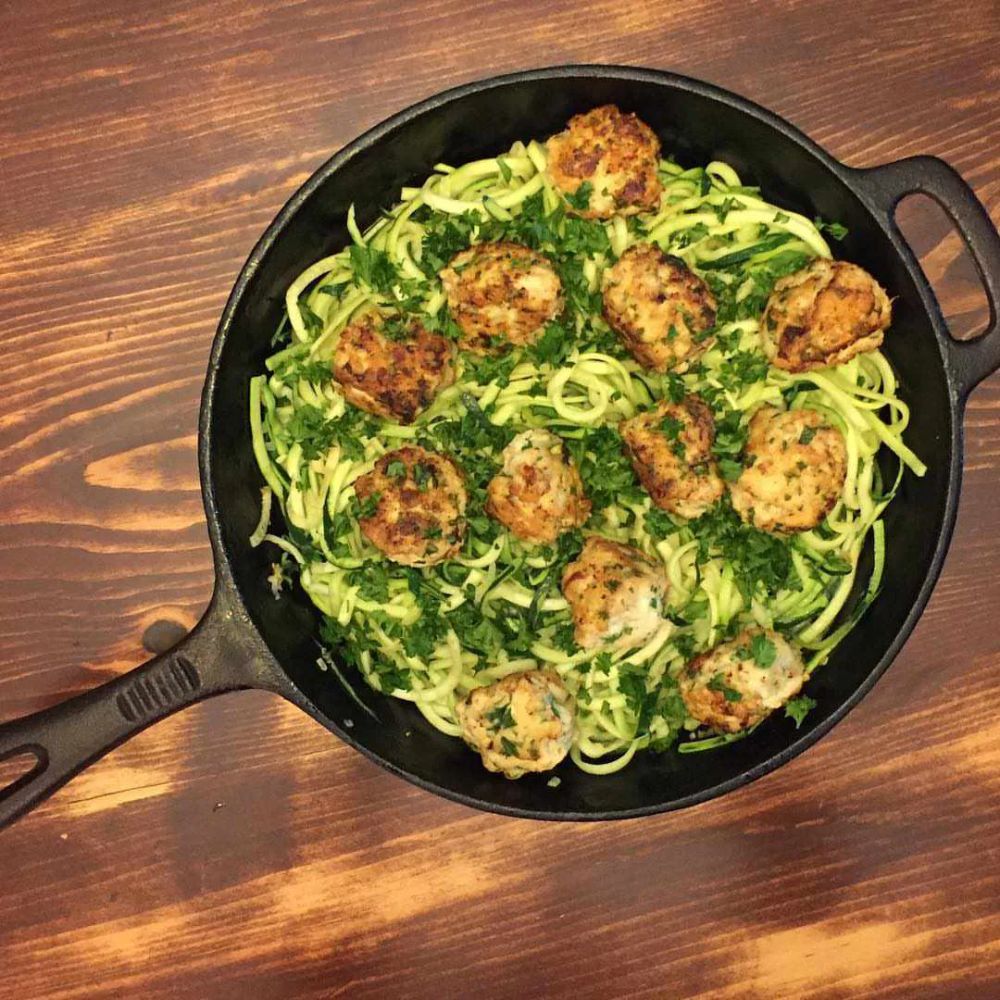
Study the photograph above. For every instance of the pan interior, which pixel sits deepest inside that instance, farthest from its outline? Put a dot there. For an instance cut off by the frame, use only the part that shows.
(695, 127)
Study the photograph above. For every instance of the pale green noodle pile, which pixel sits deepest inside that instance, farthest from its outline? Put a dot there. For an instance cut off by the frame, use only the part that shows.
(428, 636)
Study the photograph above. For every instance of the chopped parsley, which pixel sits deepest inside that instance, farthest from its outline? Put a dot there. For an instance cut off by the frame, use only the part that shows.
(580, 198)
(761, 562)
(373, 268)
(672, 428)
(834, 230)
(798, 708)
(500, 717)
(763, 650)
(718, 683)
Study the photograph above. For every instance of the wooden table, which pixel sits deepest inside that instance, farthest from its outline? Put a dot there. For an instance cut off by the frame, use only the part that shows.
(237, 850)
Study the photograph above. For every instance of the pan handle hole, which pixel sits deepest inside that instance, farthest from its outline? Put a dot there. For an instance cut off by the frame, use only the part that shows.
(947, 263)
(19, 767)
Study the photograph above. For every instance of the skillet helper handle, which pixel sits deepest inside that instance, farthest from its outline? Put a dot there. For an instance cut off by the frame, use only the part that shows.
(971, 361)
(64, 739)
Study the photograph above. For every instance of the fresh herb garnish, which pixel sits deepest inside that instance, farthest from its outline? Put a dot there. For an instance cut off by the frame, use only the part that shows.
(718, 683)
(798, 708)
(580, 198)
(500, 717)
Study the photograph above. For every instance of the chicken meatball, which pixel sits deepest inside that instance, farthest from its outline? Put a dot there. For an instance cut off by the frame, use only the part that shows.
(413, 506)
(616, 154)
(662, 311)
(671, 451)
(740, 682)
(501, 292)
(522, 723)
(616, 593)
(794, 469)
(538, 493)
(823, 315)
(394, 379)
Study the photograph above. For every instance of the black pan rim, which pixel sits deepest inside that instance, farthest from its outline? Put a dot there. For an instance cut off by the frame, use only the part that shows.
(849, 176)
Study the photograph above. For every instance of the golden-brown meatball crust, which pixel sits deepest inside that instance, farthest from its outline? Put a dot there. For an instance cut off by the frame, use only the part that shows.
(419, 506)
(729, 690)
(662, 310)
(503, 291)
(522, 723)
(671, 451)
(394, 379)
(794, 470)
(617, 595)
(616, 153)
(538, 493)
(823, 315)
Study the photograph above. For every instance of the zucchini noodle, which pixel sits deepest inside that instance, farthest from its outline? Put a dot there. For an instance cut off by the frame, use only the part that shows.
(498, 606)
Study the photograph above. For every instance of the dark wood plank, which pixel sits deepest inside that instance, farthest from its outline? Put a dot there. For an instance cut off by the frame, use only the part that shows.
(237, 848)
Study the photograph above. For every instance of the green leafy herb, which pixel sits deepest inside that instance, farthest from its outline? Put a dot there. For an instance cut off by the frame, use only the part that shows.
(798, 708)
(718, 683)
(373, 268)
(500, 717)
(672, 428)
(443, 238)
(833, 229)
(553, 346)
(808, 433)
(606, 472)
(760, 561)
(762, 650)
(313, 324)
(730, 438)
(580, 198)
(310, 428)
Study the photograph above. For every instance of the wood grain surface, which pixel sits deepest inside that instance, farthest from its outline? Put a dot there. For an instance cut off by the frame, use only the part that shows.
(237, 849)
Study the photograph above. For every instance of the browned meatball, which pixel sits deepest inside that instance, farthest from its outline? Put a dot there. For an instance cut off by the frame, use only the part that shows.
(616, 593)
(823, 315)
(662, 311)
(522, 723)
(538, 493)
(671, 452)
(501, 291)
(419, 502)
(392, 378)
(740, 682)
(794, 470)
(617, 154)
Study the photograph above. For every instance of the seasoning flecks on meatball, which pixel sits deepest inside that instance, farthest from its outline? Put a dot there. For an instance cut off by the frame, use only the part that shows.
(670, 448)
(538, 493)
(794, 470)
(418, 501)
(740, 682)
(501, 294)
(616, 593)
(522, 723)
(663, 311)
(393, 378)
(824, 314)
(616, 154)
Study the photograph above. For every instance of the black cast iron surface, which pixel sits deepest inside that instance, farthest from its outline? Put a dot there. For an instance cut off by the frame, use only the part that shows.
(247, 639)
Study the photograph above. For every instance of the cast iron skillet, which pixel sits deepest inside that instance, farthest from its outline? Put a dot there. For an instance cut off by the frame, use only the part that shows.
(249, 640)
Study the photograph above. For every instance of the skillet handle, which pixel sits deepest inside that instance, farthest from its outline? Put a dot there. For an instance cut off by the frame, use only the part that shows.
(971, 361)
(66, 738)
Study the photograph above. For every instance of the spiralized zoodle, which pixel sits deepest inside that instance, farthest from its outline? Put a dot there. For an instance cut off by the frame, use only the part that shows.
(431, 635)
